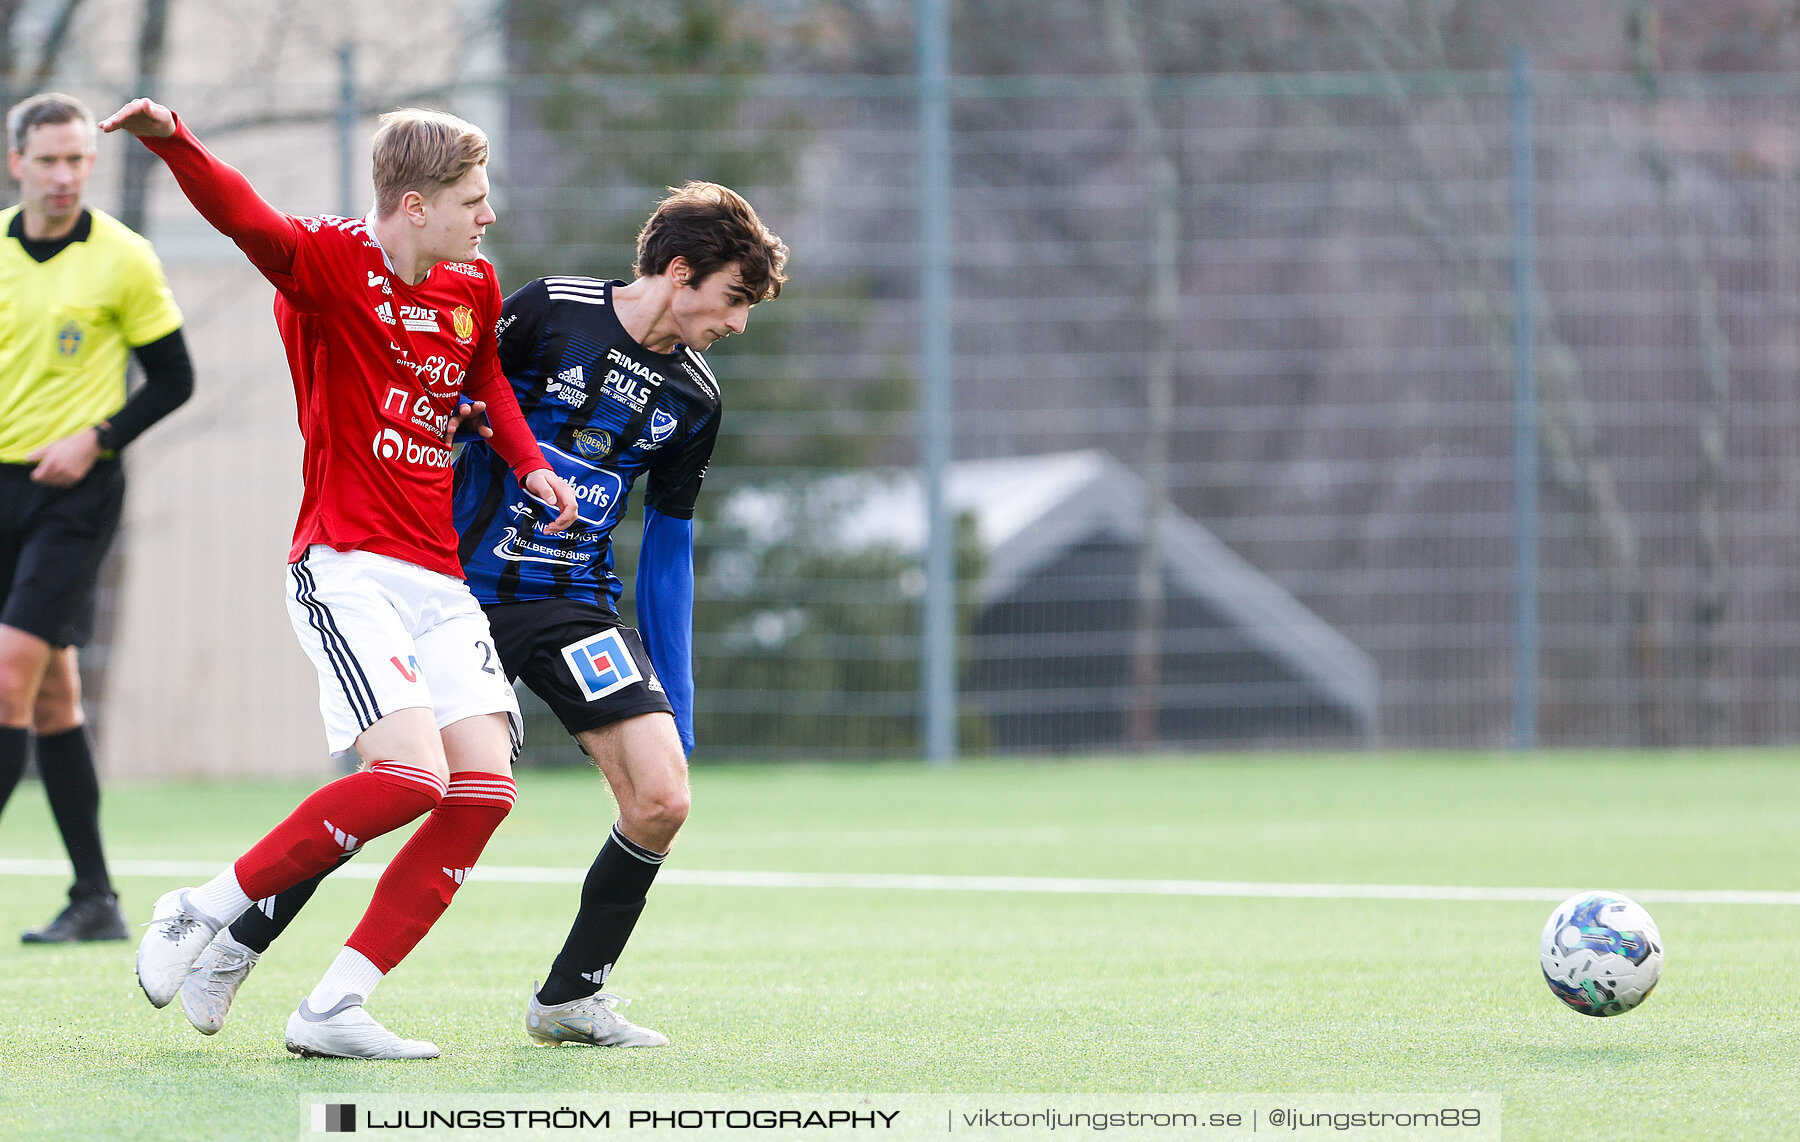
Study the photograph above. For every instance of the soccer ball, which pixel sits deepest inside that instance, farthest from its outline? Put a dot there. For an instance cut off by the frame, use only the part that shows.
(1601, 953)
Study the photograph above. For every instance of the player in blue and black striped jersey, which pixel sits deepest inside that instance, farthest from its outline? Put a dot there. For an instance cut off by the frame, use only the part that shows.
(611, 380)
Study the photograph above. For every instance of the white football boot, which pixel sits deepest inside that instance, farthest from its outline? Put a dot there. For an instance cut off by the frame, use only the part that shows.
(590, 1019)
(349, 1032)
(175, 939)
(213, 983)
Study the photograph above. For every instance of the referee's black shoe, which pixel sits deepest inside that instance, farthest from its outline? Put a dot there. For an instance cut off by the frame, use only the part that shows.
(86, 918)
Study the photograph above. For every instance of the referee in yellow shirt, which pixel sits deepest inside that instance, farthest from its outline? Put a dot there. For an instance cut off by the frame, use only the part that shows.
(77, 292)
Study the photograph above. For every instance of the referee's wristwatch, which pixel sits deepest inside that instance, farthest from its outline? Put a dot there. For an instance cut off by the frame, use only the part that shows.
(103, 436)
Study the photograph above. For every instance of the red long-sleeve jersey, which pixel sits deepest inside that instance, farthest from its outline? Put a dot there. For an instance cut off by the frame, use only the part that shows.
(378, 366)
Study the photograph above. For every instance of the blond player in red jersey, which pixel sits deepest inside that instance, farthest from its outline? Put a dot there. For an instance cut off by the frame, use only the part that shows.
(387, 321)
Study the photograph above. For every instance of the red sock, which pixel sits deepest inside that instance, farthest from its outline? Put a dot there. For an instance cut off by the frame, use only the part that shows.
(423, 876)
(335, 820)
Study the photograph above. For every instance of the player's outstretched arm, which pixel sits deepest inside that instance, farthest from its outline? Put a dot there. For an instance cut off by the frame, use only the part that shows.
(218, 190)
(143, 117)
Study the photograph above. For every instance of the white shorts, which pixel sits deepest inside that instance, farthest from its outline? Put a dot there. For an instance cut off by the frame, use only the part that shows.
(386, 635)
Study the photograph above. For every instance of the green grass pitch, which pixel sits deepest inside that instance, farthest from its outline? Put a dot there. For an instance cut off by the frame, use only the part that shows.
(784, 989)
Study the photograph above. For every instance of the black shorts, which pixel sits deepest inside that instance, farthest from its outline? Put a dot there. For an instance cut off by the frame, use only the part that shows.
(52, 541)
(587, 668)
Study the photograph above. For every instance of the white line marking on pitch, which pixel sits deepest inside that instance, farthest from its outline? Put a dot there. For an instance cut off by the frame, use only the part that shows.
(724, 878)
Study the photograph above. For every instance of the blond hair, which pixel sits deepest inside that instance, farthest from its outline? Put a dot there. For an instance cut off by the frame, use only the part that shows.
(423, 150)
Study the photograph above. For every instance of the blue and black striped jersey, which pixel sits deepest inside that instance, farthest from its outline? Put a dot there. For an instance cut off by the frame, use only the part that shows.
(605, 411)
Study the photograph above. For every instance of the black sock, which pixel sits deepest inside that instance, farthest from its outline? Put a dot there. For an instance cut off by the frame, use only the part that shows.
(268, 918)
(66, 765)
(611, 899)
(13, 740)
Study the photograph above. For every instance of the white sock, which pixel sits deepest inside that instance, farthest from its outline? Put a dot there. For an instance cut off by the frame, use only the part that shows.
(350, 974)
(220, 899)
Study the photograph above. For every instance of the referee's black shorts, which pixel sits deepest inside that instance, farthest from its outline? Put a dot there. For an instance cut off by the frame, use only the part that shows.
(574, 655)
(51, 543)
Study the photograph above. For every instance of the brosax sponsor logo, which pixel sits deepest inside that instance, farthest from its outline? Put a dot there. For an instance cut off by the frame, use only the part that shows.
(391, 446)
(601, 665)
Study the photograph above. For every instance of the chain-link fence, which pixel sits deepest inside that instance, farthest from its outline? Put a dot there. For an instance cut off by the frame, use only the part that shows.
(1234, 386)
(1342, 412)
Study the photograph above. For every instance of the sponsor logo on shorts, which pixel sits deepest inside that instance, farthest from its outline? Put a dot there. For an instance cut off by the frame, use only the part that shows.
(601, 665)
(412, 674)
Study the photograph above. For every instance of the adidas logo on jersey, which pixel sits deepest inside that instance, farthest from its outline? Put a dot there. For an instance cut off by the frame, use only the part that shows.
(458, 874)
(570, 385)
(385, 311)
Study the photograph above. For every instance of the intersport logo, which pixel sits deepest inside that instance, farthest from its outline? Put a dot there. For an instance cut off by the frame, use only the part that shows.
(391, 446)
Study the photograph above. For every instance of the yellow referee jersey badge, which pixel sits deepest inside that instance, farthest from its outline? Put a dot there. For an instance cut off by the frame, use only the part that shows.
(462, 319)
(68, 340)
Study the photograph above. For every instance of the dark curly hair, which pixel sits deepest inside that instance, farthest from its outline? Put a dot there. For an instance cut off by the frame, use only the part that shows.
(712, 227)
